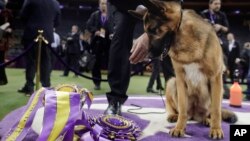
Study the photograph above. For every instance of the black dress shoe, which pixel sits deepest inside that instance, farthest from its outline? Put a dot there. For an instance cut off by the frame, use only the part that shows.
(151, 91)
(3, 82)
(159, 88)
(97, 87)
(113, 109)
(25, 90)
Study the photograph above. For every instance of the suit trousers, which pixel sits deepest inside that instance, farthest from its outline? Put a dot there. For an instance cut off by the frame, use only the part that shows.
(3, 77)
(155, 74)
(31, 61)
(119, 65)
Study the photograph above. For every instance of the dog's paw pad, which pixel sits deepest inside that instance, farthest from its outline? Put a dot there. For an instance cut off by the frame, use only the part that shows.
(216, 133)
(177, 132)
(172, 118)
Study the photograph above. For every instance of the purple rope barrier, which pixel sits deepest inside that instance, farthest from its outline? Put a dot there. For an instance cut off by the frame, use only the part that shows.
(18, 57)
(73, 70)
(85, 76)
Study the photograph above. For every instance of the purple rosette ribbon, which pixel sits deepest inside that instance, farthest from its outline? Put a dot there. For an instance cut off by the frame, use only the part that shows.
(111, 128)
(60, 114)
(64, 118)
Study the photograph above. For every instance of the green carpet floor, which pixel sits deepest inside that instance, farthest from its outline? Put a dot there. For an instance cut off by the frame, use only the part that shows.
(10, 99)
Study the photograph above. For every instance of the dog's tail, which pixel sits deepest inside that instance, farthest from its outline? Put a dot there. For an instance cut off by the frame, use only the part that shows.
(228, 116)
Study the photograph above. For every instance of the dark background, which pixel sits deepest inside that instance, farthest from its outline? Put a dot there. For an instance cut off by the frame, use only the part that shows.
(78, 11)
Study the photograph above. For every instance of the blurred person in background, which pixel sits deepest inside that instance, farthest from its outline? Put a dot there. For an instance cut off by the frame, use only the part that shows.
(55, 46)
(218, 19)
(98, 24)
(5, 36)
(73, 51)
(243, 61)
(38, 15)
(232, 52)
(155, 76)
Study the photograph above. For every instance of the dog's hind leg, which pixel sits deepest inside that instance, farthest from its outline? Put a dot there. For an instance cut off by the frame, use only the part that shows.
(228, 116)
(171, 100)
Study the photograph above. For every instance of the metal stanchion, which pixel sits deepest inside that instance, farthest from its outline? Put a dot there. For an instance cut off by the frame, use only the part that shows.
(40, 39)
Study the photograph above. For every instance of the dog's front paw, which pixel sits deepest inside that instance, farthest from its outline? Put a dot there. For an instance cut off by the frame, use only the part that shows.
(216, 133)
(172, 118)
(177, 132)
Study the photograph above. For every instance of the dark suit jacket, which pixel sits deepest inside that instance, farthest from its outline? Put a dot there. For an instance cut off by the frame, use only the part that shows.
(94, 23)
(233, 54)
(40, 14)
(73, 45)
(217, 18)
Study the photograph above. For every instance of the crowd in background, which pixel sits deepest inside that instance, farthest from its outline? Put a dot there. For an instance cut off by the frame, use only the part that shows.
(92, 43)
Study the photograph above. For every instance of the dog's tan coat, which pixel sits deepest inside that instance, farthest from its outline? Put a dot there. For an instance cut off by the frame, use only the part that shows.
(196, 54)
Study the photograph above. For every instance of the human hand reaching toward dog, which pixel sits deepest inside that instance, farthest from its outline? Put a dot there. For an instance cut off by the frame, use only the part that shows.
(140, 49)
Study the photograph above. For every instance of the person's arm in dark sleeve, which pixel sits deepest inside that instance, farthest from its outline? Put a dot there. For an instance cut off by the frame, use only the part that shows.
(225, 24)
(237, 49)
(243, 59)
(25, 11)
(90, 25)
(203, 14)
(57, 19)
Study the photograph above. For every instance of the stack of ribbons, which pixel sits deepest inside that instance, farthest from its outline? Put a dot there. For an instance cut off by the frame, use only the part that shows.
(65, 120)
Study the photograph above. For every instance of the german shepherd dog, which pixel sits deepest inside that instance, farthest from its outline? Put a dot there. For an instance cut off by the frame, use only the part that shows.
(195, 93)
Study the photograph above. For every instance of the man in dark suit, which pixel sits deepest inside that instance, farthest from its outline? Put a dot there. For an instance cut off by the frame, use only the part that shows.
(232, 52)
(217, 18)
(100, 28)
(120, 48)
(5, 35)
(38, 15)
(72, 50)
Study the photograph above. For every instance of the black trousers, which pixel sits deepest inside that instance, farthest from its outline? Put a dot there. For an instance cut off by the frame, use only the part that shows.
(53, 58)
(119, 65)
(3, 77)
(100, 47)
(155, 76)
(72, 60)
(45, 66)
(167, 68)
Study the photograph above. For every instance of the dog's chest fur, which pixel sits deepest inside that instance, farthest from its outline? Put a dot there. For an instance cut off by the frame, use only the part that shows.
(193, 74)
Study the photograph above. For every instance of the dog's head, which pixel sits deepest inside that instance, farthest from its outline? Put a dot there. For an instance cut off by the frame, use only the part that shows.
(161, 20)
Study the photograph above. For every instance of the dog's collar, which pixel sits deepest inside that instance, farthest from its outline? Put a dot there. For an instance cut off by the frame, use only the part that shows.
(179, 25)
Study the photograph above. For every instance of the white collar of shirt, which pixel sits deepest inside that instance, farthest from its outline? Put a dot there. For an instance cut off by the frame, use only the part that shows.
(231, 45)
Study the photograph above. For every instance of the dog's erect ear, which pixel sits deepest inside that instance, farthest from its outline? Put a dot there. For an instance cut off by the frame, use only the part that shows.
(138, 13)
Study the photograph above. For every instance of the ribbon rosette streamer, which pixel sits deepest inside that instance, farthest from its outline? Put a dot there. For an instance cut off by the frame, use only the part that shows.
(112, 127)
(64, 119)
